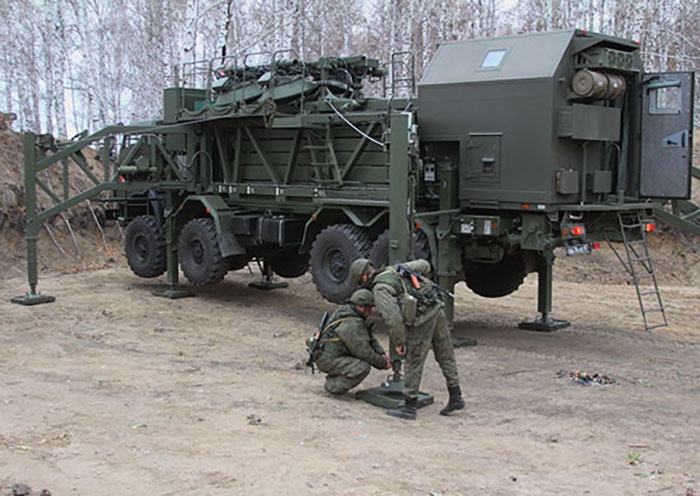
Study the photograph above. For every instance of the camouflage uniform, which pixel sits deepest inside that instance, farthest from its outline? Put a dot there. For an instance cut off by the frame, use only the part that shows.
(428, 330)
(349, 348)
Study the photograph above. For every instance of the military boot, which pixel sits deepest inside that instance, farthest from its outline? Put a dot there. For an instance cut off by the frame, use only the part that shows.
(456, 402)
(407, 411)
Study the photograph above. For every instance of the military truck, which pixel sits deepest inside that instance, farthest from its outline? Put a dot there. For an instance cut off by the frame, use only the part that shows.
(510, 148)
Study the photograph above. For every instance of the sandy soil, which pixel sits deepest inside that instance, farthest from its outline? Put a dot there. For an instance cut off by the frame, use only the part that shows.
(111, 390)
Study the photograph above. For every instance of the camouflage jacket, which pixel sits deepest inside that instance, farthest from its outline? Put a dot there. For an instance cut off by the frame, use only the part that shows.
(388, 289)
(352, 337)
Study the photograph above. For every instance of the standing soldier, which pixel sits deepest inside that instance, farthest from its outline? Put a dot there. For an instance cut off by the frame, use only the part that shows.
(412, 309)
(348, 347)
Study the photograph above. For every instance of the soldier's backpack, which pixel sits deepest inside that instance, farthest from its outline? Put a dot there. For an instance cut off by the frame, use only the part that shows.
(419, 293)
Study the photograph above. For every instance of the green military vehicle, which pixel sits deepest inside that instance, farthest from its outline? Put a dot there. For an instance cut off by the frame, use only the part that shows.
(510, 148)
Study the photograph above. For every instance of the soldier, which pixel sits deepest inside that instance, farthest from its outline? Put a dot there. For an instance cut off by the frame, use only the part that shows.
(414, 326)
(348, 346)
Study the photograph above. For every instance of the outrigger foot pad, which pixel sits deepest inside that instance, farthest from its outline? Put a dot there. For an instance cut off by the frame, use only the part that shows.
(33, 299)
(546, 324)
(267, 284)
(464, 342)
(173, 293)
(390, 396)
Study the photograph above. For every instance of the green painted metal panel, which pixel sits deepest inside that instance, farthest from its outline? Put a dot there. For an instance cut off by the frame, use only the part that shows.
(497, 59)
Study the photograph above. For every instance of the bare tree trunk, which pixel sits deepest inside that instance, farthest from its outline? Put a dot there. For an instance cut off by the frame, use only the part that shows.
(60, 71)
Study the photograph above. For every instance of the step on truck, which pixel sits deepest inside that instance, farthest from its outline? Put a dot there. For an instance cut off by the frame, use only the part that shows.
(508, 149)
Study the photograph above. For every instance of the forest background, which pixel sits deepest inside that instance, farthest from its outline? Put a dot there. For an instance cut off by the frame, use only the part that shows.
(73, 65)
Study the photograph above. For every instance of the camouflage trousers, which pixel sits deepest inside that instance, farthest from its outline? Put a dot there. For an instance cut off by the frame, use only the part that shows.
(432, 334)
(344, 373)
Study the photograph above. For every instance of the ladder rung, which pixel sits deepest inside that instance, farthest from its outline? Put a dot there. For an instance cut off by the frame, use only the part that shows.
(640, 259)
(649, 328)
(315, 147)
(324, 164)
(631, 223)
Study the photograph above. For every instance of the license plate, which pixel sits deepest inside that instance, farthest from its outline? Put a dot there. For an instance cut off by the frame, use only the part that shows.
(584, 249)
(467, 228)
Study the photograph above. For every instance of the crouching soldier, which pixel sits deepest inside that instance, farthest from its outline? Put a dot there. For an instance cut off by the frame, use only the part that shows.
(348, 348)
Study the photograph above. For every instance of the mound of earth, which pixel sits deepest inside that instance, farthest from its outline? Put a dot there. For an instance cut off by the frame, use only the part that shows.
(77, 239)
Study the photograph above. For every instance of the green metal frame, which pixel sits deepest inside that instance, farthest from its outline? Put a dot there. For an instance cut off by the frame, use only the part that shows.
(684, 214)
(33, 164)
(148, 155)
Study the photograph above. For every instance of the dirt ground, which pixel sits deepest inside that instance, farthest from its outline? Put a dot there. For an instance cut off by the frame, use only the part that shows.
(111, 390)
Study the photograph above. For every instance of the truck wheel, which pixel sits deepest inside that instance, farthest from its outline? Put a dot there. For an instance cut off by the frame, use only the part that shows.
(379, 254)
(200, 256)
(144, 243)
(333, 251)
(290, 266)
(495, 280)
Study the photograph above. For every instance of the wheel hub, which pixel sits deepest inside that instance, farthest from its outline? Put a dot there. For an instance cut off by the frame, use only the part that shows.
(197, 251)
(142, 248)
(336, 264)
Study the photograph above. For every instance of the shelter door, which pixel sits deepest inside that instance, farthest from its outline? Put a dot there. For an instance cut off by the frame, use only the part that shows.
(667, 133)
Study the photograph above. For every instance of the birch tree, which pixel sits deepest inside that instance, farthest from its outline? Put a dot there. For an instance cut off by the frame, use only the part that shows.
(69, 65)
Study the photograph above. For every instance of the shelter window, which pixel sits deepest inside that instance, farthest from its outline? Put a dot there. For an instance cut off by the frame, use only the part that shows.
(493, 59)
(665, 100)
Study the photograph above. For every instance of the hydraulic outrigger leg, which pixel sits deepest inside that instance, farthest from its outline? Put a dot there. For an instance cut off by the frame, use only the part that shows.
(32, 229)
(32, 298)
(267, 281)
(173, 292)
(544, 323)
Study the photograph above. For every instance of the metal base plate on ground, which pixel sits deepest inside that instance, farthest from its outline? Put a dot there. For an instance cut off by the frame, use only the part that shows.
(544, 325)
(389, 395)
(463, 342)
(267, 284)
(173, 293)
(33, 299)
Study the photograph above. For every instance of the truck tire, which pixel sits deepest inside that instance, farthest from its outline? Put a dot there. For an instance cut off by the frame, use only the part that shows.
(200, 256)
(379, 254)
(495, 280)
(144, 244)
(290, 266)
(332, 253)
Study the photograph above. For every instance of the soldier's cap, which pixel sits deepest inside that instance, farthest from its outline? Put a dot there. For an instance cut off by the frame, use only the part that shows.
(358, 268)
(362, 297)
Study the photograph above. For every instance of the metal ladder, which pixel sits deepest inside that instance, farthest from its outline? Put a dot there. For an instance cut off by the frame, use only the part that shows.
(326, 167)
(639, 265)
(402, 73)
